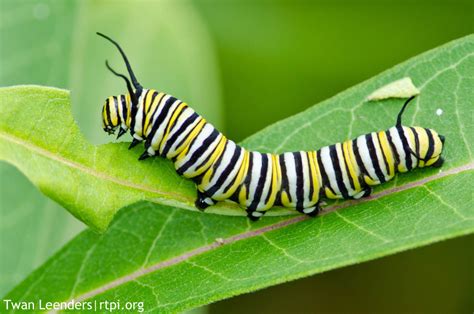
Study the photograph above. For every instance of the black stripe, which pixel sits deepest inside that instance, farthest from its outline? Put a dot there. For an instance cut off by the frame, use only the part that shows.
(216, 164)
(324, 175)
(231, 166)
(134, 112)
(174, 122)
(406, 148)
(116, 105)
(338, 171)
(261, 183)
(270, 189)
(148, 112)
(248, 179)
(383, 155)
(299, 180)
(144, 113)
(431, 145)
(359, 161)
(284, 176)
(311, 178)
(394, 150)
(198, 152)
(191, 131)
(108, 119)
(417, 145)
(186, 123)
(373, 157)
(124, 108)
(159, 120)
(177, 117)
(208, 157)
(234, 164)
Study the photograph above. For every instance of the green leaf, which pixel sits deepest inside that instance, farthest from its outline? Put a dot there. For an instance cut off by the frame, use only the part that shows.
(174, 260)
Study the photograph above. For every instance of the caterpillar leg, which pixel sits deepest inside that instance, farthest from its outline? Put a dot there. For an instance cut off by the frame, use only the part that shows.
(364, 193)
(203, 201)
(254, 215)
(134, 143)
(311, 211)
(149, 152)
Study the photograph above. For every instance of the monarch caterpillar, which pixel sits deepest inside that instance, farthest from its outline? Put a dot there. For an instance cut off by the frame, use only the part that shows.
(258, 181)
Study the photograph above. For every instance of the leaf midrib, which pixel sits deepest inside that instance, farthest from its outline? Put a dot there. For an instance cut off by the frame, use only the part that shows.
(90, 171)
(261, 231)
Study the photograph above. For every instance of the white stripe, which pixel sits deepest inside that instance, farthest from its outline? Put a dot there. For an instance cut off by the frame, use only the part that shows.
(399, 147)
(291, 175)
(379, 153)
(158, 136)
(226, 158)
(327, 164)
(365, 156)
(181, 137)
(342, 164)
(306, 179)
(267, 183)
(139, 115)
(179, 121)
(209, 150)
(412, 145)
(257, 166)
(205, 132)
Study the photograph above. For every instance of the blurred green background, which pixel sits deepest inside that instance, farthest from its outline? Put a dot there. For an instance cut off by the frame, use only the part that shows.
(243, 64)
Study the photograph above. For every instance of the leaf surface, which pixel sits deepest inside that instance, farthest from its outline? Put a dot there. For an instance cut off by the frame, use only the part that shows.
(173, 259)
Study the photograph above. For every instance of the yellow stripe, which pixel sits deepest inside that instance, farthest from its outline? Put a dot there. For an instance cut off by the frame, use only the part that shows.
(350, 165)
(183, 149)
(176, 113)
(113, 112)
(285, 200)
(314, 175)
(216, 154)
(355, 166)
(424, 143)
(330, 194)
(275, 186)
(240, 176)
(129, 110)
(149, 114)
(320, 179)
(148, 98)
(206, 178)
(369, 180)
(105, 119)
(387, 152)
(411, 136)
(243, 196)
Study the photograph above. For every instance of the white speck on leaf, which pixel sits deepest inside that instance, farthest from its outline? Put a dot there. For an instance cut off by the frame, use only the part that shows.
(402, 88)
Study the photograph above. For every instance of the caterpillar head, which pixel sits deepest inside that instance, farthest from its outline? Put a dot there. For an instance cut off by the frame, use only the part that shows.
(116, 113)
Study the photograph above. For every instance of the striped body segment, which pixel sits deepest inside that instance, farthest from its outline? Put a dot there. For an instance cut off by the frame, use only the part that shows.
(222, 170)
